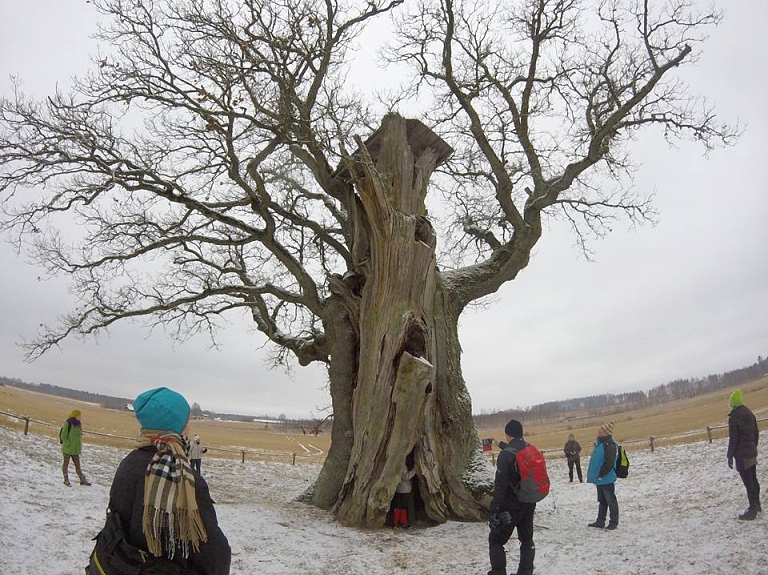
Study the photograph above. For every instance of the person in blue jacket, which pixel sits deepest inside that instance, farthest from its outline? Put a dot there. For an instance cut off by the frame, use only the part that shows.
(602, 472)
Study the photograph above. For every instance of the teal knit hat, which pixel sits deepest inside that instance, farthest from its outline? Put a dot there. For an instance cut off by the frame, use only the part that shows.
(736, 399)
(162, 409)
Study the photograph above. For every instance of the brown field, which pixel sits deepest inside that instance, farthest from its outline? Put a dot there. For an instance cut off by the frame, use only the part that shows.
(673, 422)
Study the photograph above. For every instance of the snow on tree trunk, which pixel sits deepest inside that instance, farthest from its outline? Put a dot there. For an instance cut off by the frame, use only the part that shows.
(409, 396)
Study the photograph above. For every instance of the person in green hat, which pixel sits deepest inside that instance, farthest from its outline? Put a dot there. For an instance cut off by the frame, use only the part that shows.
(743, 436)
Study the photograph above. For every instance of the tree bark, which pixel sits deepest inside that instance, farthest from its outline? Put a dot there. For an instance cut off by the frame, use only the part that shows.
(408, 395)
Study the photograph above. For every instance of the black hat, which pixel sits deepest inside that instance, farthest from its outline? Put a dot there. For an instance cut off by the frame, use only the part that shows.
(514, 428)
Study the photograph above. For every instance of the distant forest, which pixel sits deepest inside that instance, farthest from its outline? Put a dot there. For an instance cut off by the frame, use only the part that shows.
(542, 413)
(614, 403)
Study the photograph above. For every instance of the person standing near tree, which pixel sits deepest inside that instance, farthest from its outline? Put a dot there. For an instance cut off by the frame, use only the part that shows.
(71, 439)
(572, 451)
(403, 498)
(743, 437)
(602, 472)
(507, 512)
(196, 451)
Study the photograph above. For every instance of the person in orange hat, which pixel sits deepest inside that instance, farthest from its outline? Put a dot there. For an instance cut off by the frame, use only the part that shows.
(71, 439)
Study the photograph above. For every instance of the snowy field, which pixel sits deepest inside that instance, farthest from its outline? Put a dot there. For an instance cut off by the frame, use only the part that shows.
(678, 516)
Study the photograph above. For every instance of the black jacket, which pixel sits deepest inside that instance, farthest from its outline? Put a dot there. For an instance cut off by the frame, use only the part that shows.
(572, 450)
(127, 498)
(743, 434)
(507, 478)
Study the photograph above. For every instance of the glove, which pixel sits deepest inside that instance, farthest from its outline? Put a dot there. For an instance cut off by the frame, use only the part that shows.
(730, 462)
(505, 518)
(494, 522)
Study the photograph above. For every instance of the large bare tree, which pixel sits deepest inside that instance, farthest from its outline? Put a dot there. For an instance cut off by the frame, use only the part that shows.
(215, 163)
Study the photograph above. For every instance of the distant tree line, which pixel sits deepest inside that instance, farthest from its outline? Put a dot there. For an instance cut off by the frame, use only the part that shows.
(542, 413)
(614, 403)
(312, 425)
(97, 398)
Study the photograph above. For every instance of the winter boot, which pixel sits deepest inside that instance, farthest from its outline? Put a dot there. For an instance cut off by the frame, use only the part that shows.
(66, 480)
(749, 515)
(598, 524)
(527, 554)
(84, 481)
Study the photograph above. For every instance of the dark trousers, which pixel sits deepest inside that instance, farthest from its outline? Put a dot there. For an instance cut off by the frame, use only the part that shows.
(606, 501)
(577, 464)
(749, 478)
(522, 520)
(195, 463)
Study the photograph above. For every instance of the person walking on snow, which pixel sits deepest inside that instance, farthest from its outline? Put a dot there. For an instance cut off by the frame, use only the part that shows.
(71, 439)
(743, 437)
(196, 451)
(572, 451)
(602, 472)
(507, 512)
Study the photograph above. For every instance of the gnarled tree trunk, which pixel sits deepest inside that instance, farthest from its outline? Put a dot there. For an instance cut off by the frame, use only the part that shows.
(408, 396)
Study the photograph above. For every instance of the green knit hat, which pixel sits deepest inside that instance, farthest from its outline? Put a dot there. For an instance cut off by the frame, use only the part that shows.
(736, 399)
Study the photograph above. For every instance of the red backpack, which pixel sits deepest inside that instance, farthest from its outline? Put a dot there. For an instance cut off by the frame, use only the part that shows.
(534, 480)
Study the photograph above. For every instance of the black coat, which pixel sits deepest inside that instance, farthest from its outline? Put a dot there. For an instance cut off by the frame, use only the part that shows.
(127, 498)
(743, 434)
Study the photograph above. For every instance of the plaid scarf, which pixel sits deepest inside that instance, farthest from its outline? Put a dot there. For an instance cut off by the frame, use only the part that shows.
(171, 517)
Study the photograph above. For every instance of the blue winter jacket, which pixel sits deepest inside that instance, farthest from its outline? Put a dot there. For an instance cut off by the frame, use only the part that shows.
(602, 464)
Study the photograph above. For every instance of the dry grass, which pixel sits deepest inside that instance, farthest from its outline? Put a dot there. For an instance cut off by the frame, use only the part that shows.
(229, 439)
(225, 438)
(669, 419)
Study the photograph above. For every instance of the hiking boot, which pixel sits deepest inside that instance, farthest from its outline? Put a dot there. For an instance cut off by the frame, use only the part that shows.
(749, 515)
(84, 482)
(597, 524)
(611, 526)
(67, 483)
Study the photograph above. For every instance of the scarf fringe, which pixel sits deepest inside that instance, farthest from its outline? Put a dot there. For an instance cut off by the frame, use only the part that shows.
(183, 530)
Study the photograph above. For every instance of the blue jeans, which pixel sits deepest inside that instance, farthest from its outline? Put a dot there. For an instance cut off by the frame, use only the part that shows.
(606, 500)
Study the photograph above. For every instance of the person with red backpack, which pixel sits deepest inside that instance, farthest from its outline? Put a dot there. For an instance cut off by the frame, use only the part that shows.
(509, 510)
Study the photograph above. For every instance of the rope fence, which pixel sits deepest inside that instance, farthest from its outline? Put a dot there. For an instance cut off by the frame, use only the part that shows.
(242, 453)
(276, 455)
(653, 439)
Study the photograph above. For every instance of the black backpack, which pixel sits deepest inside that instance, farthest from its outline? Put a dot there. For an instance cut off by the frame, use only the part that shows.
(114, 555)
(62, 434)
(622, 462)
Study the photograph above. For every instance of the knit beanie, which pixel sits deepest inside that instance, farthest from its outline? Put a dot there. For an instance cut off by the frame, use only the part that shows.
(736, 399)
(514, 428)
(74, 414)
(162, 409)
(607, 427)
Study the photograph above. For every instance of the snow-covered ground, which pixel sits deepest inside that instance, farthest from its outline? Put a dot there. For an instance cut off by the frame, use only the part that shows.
(678, 516)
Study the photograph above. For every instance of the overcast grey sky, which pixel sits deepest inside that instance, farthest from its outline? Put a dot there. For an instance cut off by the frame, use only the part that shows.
(685, 298)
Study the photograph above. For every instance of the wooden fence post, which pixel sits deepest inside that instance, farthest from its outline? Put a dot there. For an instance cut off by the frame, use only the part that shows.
(709, 433)
(294, 459)
(26, 425)
(651, 438)
(242, 456)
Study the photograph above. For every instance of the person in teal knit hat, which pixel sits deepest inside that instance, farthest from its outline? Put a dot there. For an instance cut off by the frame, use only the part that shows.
(71, 439)
(743, 436)
(163, 507)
